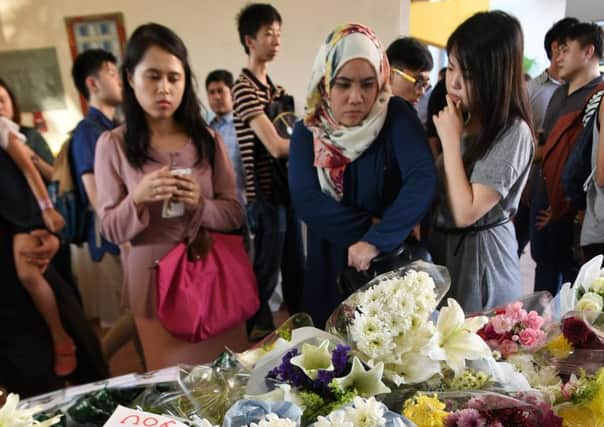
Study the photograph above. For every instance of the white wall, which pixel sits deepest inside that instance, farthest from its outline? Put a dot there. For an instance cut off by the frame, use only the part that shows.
(586, 10)
(208, 29)
(536, 17)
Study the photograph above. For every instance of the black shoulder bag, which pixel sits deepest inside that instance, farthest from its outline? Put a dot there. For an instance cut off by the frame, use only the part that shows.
(408, 251)
(281, 113)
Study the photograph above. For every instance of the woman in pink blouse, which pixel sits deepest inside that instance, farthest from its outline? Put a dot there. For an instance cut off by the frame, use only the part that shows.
(163, 131)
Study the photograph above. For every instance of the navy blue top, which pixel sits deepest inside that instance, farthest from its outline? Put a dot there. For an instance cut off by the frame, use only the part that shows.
(82, 149)
(333, 226)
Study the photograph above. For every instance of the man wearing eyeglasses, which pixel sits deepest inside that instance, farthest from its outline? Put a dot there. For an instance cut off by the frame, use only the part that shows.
(411, 63)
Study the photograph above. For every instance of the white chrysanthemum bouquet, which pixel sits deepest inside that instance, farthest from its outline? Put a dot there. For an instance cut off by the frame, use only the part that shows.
(388, 321)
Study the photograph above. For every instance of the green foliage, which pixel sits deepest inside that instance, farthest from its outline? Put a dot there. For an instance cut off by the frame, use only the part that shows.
(315, 405)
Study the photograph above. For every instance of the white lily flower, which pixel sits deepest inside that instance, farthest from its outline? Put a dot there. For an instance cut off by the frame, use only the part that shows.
(366, 383)
(313, 358)
(589, 273)
(457, 339)
(413, 368)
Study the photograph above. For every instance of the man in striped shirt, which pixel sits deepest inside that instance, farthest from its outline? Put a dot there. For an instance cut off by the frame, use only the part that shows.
(276, 231)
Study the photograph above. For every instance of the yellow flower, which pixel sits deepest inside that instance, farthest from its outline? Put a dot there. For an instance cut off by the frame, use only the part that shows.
(560, 347)
(425, 411)
(596, 405)
(579, 416)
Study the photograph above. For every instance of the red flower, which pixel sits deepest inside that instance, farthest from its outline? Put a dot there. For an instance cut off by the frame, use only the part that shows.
(487, 332)
(580, 334)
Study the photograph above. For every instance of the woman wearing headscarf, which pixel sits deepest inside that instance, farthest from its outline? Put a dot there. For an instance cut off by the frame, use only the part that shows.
(360, 171)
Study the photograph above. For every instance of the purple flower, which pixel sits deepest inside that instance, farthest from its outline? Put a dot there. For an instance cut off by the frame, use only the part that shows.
(293, 375)
(339, 358)
(321, 384)
(470, 418)
(288, 373)
(477, 403)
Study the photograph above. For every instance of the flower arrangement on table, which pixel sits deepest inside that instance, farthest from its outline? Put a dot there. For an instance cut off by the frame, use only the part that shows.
(484, 409)
(388, 324)
(512, 330)
(579, 344)
(321, 379)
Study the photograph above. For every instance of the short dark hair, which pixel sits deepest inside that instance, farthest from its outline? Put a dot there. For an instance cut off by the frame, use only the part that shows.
(224, 76)
(188, 113)
(409, 53)
(89, 63)
(16, 110)
(557, 33)
(587, 33)
(254, 16)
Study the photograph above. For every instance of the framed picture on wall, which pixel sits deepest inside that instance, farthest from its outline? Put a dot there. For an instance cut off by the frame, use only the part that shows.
(104, 31)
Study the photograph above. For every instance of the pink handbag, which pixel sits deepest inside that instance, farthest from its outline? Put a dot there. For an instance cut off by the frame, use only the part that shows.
(199, 299)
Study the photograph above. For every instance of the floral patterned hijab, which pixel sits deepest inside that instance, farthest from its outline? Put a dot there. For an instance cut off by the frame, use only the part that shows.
(335, 145)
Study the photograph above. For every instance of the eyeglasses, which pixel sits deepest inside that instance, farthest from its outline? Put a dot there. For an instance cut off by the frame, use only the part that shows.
(417, 83)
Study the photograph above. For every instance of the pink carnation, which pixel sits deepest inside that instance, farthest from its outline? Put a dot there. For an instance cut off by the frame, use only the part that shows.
(533, 320)
(531, 337)
(515, 311)
(502, 324)
(508, 347)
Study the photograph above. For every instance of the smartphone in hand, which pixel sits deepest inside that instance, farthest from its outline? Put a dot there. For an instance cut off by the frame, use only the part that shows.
(170, 208)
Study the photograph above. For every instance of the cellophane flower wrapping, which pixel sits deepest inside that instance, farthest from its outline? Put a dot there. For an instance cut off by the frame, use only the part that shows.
(248, 412)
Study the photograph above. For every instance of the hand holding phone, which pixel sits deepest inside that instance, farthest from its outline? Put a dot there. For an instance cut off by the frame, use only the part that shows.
(171, 208)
